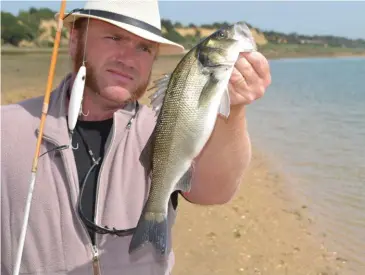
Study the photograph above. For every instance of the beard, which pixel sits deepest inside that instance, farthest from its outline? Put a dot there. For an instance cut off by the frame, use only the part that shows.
(91, 75)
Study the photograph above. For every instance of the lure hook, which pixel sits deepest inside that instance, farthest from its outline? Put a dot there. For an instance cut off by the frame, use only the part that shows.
(85, 114)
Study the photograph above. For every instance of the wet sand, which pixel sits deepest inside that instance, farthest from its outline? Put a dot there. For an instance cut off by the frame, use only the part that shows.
(263, 230)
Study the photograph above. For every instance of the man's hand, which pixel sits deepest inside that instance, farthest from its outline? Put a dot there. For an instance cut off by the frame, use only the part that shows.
(250, 78)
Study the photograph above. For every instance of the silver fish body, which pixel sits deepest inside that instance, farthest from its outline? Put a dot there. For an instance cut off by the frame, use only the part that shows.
(187, 102)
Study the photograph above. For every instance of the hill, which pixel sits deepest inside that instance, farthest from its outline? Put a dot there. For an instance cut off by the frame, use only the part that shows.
(36, 28)
(262, 37)
(32, 28)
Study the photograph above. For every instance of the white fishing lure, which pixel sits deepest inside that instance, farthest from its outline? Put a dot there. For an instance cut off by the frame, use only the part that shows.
(76, 98)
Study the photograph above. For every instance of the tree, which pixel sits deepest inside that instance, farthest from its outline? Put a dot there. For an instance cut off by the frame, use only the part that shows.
(178, 25)
(167, 24)
(207, 26)
(12, 31)
(173, 35)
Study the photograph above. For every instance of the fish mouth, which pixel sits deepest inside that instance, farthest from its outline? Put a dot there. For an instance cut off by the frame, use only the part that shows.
(220, 65)
(243, 35)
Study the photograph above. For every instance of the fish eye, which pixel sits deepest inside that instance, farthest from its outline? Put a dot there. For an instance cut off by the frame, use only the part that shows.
(221, 34)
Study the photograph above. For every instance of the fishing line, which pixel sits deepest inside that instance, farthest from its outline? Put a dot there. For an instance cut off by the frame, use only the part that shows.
(83, 59)
(71, 131)
(69, 59)
(63, 147)
(77, 91)
(87, 34)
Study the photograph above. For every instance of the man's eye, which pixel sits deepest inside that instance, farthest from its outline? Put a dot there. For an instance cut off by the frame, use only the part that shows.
(115, 38)
(145, 49)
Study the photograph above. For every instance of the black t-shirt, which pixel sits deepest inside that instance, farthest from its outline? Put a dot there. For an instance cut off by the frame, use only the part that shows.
(92, 135)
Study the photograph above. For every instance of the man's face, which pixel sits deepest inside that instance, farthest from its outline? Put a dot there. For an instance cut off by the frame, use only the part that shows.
(118, 63)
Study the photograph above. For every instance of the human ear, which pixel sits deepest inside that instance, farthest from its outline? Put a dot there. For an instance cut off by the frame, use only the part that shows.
(73, 42)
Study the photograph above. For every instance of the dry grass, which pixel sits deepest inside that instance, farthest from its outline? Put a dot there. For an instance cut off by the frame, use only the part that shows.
(259, 38)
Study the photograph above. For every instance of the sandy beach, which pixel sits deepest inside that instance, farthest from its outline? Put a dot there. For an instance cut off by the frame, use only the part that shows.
(263, 230)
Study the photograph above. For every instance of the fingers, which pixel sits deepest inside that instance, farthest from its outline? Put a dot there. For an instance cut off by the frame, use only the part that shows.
(239, 98)
(244, 72)
(250, 78)
(260, 65)
(237, 80)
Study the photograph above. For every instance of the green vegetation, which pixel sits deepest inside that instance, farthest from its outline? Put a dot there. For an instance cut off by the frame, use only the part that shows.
(271, 50)
(273, 37)
(322, 40)
(188, 40)
(26, 28)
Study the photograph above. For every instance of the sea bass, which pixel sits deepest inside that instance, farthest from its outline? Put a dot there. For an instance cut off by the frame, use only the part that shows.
(187, 103)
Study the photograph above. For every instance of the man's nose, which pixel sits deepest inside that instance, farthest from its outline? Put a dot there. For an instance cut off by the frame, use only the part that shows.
(126, 55)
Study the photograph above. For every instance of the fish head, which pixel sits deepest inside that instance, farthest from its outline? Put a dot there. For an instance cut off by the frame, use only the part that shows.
(223, 46)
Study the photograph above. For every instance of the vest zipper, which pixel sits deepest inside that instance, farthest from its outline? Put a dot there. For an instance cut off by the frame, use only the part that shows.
(108, 145)
(94, 249)
(99, 176)
(96, 263)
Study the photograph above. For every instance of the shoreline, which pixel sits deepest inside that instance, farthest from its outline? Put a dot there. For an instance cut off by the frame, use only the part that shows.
(269, 54)
(263, 230)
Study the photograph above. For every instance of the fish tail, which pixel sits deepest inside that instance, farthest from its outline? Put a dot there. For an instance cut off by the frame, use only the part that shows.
(152, 228)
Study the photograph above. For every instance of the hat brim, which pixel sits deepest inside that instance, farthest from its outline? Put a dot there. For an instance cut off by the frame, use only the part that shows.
(166, 47)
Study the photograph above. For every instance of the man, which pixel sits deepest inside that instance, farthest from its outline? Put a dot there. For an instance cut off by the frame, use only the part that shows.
(78, 203)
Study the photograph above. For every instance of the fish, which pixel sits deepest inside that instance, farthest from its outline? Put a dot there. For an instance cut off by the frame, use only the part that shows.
(187, 103)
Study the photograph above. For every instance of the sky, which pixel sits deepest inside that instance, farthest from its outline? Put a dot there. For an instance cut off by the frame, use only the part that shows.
(340, 18)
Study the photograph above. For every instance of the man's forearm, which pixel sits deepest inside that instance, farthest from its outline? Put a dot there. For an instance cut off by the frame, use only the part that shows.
(219, 168)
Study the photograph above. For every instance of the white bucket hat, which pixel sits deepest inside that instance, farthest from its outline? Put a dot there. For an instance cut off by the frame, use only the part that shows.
(140, 17)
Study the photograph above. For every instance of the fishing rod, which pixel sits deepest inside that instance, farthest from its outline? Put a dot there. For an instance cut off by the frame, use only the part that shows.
(39, 139)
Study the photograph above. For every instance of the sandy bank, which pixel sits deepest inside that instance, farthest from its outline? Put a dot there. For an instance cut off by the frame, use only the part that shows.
(262, 231)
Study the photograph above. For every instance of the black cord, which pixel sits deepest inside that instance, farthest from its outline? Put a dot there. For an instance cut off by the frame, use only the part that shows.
(58, 148)
(71, 12)
(93, 226)
(90, 224)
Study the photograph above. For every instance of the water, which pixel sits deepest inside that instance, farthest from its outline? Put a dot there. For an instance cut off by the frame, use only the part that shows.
(312, 123)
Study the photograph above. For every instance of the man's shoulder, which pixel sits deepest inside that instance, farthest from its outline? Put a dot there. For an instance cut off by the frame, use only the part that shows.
(31, 106)
(21, 114)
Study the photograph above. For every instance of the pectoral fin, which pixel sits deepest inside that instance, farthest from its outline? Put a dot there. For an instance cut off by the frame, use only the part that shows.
(146, 156)
(184, 183)
(225, 106)
(157, 97)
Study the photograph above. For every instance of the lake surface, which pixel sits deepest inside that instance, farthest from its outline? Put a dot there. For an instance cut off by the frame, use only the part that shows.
(311, 122)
